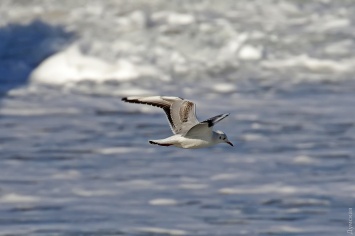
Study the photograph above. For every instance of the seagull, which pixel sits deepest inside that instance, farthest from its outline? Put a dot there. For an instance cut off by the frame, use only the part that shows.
(188, 131)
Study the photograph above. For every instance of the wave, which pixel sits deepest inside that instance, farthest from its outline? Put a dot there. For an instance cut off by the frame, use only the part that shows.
(221, 48)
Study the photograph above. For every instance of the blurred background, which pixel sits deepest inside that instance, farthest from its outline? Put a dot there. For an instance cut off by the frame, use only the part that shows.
(75, 160)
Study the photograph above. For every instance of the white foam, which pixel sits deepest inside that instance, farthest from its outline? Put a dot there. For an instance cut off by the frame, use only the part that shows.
(172, 18)
(303, 160)
(71, 65)
(224, 88)
(229, 50)
(162, 202)
(285, 229)
(252, 137)
(155, 230)
(37, 111)
(311, 64)
(134, 20)
(256, 125)
(307, 201)
(250, 53)
(108, 151)
(17, 198)
(224, 176)
(193, 186)
(260, 190)
(305, 145)
(92, 193)
(329, 24)
(339, 48)
(133, 91)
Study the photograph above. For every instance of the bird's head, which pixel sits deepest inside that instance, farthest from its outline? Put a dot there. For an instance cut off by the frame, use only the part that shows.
(222, 138)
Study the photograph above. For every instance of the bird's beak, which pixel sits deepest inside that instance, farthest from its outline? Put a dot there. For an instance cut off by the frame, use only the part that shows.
(230, 143)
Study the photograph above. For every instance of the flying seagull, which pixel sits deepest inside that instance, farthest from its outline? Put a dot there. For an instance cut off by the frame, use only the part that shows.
(188, 131)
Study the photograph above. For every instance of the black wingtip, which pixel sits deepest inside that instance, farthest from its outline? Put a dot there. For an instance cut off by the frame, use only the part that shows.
(125, 99)
(213, 120)
(210, 123)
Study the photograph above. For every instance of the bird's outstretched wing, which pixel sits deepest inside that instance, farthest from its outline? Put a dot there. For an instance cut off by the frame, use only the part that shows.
(180, 113)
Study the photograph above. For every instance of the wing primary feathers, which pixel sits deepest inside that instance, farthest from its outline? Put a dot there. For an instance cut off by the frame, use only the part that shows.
(213, 120)
(125, 99)
(165, 107)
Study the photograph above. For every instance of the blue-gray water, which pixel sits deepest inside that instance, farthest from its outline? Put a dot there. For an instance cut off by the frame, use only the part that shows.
(75, 160)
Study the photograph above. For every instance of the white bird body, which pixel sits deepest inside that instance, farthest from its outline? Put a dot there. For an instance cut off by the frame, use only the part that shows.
(183, 142)
(188, 131)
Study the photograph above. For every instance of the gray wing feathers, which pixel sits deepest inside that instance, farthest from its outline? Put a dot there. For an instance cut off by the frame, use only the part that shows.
(204, 128)
(183, 115)
(198, 131)
(180, 113)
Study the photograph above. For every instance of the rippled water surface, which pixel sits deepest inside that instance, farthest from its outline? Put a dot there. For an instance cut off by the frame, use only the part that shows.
(75, 160)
